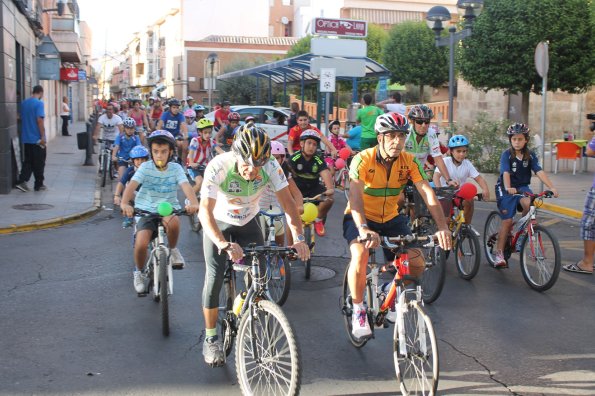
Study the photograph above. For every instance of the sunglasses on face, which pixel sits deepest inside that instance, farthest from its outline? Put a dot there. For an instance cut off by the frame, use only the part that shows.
(420, 122)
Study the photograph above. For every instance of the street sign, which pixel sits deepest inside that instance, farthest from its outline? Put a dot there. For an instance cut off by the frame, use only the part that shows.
(321, 46)
(343, 67)
(542, 59)
(327, 80)
(382, 90)
(339, 27)
(82, 75)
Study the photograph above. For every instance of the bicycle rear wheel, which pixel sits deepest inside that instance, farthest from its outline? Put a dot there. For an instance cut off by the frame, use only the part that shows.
(490, 236)
(345, 184)
(415, 352)
(267, 352)
(434, 275)
(540, 259)
(467, 254)
(347, 309)
(279, 275)
(104, 168)
(225, 316)
(163, 295)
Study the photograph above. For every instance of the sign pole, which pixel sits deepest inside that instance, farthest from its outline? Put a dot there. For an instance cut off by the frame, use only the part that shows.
(542, 66)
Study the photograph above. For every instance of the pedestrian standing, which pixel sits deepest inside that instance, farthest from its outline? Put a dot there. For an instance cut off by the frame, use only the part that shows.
(34, 141)
(366, 117)
(65, 115)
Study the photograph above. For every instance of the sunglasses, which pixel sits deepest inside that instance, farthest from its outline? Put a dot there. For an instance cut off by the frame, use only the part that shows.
(420, 122)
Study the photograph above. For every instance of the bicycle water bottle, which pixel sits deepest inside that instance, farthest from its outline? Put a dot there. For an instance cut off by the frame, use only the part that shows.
(238, 303)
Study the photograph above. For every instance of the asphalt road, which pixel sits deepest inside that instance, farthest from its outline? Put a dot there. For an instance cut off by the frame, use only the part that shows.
(72, 324)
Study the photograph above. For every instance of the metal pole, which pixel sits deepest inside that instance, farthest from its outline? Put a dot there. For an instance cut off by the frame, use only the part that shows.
(211, 87)
(543, 114)
(302, 89)
(327, 107)
(451, 80)
(270, 91)
(257, 90)
(285, 90)
(354, 97)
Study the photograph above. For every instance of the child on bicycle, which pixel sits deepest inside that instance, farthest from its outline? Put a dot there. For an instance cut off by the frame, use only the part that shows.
(159, 180)
(338, 143)
(227, 131)
(200, 152)
(460, 169)
(516, 164)
(138, 155)
(123, 144)
(190, 116)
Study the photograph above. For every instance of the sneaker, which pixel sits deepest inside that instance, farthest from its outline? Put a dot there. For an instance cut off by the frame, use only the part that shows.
(23, 187)
(391, 315)
(176, 259)
(319, 227)
(139, 281)
(127, 222)
(360, 325)
(43, 187)
(212, 350)
(499, 260)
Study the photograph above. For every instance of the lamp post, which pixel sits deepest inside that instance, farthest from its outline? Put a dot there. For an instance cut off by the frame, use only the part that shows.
(436, 16)
(211, 60)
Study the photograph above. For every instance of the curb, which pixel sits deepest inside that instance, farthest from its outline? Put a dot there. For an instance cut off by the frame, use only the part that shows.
(57, 221)
(562, 210)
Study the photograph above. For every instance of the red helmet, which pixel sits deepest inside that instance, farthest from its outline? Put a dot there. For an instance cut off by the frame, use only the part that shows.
(233, 116)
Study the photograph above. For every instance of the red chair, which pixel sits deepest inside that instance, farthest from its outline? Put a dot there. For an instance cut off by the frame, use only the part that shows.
(567, 151)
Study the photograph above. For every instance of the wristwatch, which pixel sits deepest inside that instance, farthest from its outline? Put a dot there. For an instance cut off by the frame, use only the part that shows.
(300, 238)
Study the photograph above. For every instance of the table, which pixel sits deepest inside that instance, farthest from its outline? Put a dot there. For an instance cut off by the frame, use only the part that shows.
(579, 142)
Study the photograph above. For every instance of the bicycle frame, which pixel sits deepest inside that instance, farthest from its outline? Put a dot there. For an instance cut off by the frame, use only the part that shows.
(159, 244)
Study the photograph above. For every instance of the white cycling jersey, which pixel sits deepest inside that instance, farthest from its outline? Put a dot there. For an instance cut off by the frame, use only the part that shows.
(110, 126)
(429, 145)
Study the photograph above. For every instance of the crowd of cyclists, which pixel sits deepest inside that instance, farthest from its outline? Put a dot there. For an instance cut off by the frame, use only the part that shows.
(236, 170)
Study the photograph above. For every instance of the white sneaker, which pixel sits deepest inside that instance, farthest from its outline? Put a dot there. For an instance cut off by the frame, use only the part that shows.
(176, 259)
(391, 315)
(139, 281)
(360, 325)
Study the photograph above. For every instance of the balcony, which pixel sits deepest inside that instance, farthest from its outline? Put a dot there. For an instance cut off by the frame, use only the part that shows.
(65, 33)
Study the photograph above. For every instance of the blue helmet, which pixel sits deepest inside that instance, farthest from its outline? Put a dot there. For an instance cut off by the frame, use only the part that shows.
(139, 152)
(457, 141)
(198, 107)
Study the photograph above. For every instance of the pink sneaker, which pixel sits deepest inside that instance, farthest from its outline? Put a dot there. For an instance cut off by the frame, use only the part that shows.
(499, 260)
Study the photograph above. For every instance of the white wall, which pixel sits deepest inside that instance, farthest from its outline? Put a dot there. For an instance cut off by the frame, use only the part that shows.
(202, 18)
(306, 10)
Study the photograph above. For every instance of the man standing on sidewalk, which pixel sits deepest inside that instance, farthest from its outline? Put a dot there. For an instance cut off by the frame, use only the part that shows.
(34, 141)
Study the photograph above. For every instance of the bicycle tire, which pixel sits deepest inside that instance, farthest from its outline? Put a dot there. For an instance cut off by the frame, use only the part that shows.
(279, 275)
(347, 310)
(104, 162)
(490, 236)
(225, 315)
(308, 262)
(467, 246)
(195, 224)
(345, 183)
(412, 369)
(434, 275)
(264, 324)
(163, 292)
(543, 278)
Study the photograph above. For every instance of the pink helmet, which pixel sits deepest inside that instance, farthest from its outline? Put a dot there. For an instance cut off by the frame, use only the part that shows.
(190, 113)
(277, 148)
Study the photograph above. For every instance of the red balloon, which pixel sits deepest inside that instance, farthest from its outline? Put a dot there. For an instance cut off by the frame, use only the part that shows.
(344, 153)
(339, 163)
(467, 191)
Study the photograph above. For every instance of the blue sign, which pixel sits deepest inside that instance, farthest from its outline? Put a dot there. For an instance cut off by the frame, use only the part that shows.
(82, 75)
(382, 90)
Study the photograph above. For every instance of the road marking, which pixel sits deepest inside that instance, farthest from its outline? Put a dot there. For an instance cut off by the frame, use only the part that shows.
(550, 222)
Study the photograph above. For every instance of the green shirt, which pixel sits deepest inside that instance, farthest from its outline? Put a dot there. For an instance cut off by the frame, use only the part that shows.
(367, 117)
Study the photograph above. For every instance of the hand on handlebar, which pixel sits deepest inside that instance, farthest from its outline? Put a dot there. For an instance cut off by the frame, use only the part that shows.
(555, 191)
(453, 183)
(235, 252)
(444, 239)
(511, 190)
(370, 238)
(191, 209)
(127, 210)
(329, 192)
(302, 250)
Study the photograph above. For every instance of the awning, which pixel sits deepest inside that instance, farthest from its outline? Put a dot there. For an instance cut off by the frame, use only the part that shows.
(292, 70)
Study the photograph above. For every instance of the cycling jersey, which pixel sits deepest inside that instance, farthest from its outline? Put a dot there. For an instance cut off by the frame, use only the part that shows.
(227, 137)
(125, 144)
(381, 189)
(237, 198)
(110, 126)
(171, 123)
(202, 153)
(306, 172)
(428, 145)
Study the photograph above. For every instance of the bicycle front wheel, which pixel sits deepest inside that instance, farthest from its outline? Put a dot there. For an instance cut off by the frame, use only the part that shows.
(279, 275)
(467, 254)
(415, 352)
(163, 295)
(540, 259)
(104, 169)
(267, 353)
(490, 236)
(347, 310)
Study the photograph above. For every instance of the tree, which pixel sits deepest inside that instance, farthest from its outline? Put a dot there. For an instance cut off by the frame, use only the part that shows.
(301, 47)
(500, 53)
(412, 57)
(240, 90)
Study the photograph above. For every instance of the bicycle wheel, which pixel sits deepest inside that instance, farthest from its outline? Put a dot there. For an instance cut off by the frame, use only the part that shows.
(347, 310)
(540, 259)
(104, 169)
(308, 238)
(279, 275)
(225, 316)
(434, 275)
(345, 183)
(162, 278)
(490, 236)
(416, 366)
(467, 254)
(267, 352)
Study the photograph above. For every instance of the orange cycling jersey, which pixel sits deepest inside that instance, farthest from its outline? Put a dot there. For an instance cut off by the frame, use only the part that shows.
(382, 188)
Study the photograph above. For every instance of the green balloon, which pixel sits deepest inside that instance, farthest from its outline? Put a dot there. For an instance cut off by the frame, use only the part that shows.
(165, 209)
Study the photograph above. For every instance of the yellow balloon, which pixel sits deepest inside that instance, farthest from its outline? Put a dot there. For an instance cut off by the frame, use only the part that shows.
(310, 212)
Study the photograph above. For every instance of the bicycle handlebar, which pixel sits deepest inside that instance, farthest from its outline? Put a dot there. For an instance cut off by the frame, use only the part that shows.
(315, 199)
(271, 215)
(404, 240)
(146, 213)
(544, 194)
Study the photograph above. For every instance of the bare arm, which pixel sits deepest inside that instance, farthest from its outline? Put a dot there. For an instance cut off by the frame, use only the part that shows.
(546, 180)
(290, 145)
(442, 168)
(41, 127)
(293, 221)
(191, 196)
(436, 178)
(356, 204)
(207, 219)
(296, 194)
(159, 124)
(127, 197)
(325, 175)
(485, 190)
(329, 145)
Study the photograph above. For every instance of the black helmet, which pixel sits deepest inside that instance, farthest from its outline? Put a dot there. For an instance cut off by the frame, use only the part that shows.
(174, 102)
(420, 112)
(517, 129)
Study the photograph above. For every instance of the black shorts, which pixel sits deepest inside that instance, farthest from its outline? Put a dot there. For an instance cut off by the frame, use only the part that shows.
(310, 191)
(396, 226)
(147, 223)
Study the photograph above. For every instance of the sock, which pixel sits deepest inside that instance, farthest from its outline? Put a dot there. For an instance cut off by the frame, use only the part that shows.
(211, 334)
(358, 306)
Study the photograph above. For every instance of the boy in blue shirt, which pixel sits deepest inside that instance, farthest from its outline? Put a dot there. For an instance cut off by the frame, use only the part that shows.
(123, 144)
(175, 123)
(139, 154)
(516, 164)
(158, 180)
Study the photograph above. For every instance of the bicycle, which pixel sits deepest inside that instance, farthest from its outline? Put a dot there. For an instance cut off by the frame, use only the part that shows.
(342, 181)
(158, 269)
(415, 349)
(105, 160)
(531, 241)
(267, 352)
(309, 234)
(277, 266)
(195, 224)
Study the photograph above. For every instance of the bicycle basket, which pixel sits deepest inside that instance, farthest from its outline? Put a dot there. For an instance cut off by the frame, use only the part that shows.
(444, 195)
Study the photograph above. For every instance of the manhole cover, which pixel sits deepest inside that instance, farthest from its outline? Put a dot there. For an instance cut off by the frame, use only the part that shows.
(317, 273)
(32, 207)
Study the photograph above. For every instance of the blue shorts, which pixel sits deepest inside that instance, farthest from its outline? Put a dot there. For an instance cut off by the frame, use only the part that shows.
(509, 204)
(588, 220)
(199, 171)
(396, 226)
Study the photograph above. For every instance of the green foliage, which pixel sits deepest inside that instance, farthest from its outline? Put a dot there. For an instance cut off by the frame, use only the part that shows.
(500, 53)
(377, 38)
(412, 56)
(487, 141)
(301, 47)
(241, 90)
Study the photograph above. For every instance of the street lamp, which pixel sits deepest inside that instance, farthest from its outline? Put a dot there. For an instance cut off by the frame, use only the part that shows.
(436, 16)
(211, 60)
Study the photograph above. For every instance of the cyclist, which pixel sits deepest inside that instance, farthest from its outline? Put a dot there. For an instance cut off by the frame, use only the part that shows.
(303, 124)
(190, 116)
(155, 113)
(221, 115)
(123, 144)
(461, 169)
(378, 175)
(225, 134)
(199, 110)
(230, 193)
(138, 155)
(140, 118)
(338, 143)
(516, 164)
(250, 120)
(174, 122)
(189, 103)
(111, 124)
(200, 152)
(159, 180)
(307, 169)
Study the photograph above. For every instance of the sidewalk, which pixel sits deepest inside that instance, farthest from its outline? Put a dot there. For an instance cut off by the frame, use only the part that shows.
(71, 195)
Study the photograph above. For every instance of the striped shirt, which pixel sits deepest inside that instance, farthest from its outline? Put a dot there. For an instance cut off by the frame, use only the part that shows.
(158, 186)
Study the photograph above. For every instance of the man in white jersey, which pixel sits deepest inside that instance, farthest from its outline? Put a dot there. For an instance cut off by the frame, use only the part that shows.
(111, 123)
(232, 186)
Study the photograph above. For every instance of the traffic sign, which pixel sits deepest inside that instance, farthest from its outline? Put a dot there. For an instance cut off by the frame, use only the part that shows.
(339, 27)
(321, 46)
(542, 59)
(327, 80)
(343, 67)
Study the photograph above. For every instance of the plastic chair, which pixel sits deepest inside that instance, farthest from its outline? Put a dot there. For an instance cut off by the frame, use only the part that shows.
(567, 151)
